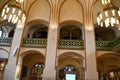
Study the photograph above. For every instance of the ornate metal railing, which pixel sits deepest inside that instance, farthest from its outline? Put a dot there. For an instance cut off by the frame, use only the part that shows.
(71, 44)
(115, 43)
(5, 41)
(103, 45)
(78, 44)
(34, 42)
(108, 45)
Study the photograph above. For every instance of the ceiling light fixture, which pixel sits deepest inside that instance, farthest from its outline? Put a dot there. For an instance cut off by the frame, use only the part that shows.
(13, 12)
(109, 15)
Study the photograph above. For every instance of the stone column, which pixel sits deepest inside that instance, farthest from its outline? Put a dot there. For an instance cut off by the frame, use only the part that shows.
(91, 66)
(18, 69)
(10, 69)
(49, 72)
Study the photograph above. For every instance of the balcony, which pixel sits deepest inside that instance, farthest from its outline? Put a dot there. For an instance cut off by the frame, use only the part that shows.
(68, 44)
(109, 45)
(103, 45)
(34, 42)
(31, 42)
(5, 41)
(78, 44)
(116, 44)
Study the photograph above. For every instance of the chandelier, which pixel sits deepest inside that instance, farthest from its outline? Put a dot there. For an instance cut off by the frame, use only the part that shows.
(13, 12)
(109, 15)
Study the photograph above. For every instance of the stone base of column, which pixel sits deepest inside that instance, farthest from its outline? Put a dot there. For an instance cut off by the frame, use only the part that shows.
(49, 74)
(91, 75)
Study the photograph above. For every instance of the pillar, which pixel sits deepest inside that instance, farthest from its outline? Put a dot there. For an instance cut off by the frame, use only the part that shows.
(91, 67)
(90, 43)
(18, 69)
(10, 68)
(49, 72)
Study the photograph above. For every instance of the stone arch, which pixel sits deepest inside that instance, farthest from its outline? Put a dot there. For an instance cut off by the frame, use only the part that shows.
(29, 59)
(4, 53)
(35, 25)
(70, 62)
(72, 28)
(6, 27)
(70, 55)
(41, 7)
(65, 9)
(107, 63)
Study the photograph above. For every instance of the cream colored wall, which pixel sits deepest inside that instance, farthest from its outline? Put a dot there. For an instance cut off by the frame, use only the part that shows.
(97, 7)
(39, 50)
(62, 51)
(39, 10)
(70, 61)
(71, 10)
(100, 53)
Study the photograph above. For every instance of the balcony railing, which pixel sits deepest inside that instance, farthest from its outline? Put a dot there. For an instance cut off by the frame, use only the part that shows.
(5, 41)
(71, 44)
(78, 44)
(103, 45)
(34, 42)
(108, 45)
(31, 42)
(115, 43)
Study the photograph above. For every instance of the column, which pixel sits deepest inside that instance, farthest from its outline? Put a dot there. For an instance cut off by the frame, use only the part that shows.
(91, 66)
(10, 68)
(49, 72)
(18, 69)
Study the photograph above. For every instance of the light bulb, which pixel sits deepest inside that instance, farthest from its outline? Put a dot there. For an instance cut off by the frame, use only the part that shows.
(10, 17)
(106, 13)
(98, 20)
(3, 12)
(117, 21)
(13, 11)
(119, 12)
(5, 16)
(100, 16)
(19, 12)
(113, 12)
(101, 24)
(103, 2)
(7, 9)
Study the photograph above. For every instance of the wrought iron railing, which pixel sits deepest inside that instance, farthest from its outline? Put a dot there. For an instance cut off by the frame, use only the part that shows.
(71, 44)
(34, 42)
(103, 45)
(78, 44)
(5, 41)
(115, 43)
(108, 45)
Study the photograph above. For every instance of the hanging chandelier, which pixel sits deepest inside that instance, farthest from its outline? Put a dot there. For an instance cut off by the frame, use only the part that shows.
(13, 12)
(109, 15)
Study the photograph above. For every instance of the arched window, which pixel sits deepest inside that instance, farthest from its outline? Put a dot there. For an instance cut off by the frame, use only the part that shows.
(38, 31)
(102, 33)
(40, 34)
(11, 34)
(71, 32)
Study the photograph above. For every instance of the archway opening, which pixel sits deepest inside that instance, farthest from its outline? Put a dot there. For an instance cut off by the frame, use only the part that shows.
(33, 65)
(109, 67)
(70, 65)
